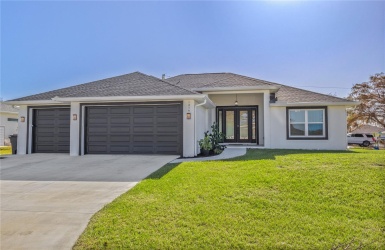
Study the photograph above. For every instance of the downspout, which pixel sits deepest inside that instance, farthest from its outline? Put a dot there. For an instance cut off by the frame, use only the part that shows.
(195, 124)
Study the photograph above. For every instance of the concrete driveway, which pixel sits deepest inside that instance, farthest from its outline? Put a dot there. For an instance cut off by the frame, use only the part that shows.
(47, 200)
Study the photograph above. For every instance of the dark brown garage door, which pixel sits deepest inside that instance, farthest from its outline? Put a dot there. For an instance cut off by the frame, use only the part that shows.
(51, 130)
(134, 129)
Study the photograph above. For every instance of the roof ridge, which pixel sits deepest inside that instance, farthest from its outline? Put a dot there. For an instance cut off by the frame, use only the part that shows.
(168, 83)
(216, 73)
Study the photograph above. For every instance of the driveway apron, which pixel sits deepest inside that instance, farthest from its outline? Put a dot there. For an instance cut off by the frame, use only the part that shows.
(47, 200)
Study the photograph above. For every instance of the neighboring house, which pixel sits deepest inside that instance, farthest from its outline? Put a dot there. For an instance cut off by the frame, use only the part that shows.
(138, 113)
(367, 129)
(8, 122)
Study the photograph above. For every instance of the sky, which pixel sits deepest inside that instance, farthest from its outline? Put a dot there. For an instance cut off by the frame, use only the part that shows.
(322, 46)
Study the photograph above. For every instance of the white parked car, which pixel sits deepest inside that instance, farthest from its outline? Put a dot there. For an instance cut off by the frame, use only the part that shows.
(361, 139)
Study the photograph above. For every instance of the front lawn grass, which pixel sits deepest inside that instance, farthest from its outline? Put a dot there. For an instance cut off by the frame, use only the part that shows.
(267, 199)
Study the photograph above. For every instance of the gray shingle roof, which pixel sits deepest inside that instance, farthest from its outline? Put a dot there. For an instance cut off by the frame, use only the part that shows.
(139, 84)
(8, 108)
(134, 84)
(217, 80)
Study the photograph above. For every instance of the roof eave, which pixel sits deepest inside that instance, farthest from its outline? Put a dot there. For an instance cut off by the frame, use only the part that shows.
(208, 89)
(60, 100)
(309, 104)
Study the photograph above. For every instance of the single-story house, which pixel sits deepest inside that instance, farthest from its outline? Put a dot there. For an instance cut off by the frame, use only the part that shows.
(138, 113)
(8, 122)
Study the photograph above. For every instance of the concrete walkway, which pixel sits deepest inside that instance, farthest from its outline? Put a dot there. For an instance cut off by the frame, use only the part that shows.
(47, 200)
(229, 152)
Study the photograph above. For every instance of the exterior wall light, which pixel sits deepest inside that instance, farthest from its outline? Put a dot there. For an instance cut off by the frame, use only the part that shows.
(22, 119)
(188, 116)
(74, 117)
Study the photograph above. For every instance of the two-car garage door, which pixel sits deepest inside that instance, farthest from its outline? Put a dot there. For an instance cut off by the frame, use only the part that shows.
(134, 129)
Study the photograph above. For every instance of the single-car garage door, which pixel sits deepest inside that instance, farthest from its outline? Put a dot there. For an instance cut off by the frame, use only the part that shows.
(51, 130)
(134, 129)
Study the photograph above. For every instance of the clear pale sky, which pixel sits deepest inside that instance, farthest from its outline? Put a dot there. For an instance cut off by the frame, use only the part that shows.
(323, 46)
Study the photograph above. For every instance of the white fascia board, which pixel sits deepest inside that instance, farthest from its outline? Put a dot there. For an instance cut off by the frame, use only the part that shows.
(309, 104)
(238, 89)
(67, 100)
(38, 102)
(129, 98)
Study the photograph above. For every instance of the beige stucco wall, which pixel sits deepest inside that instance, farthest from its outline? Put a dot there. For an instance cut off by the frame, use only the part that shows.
(337, 139)
(251, 99)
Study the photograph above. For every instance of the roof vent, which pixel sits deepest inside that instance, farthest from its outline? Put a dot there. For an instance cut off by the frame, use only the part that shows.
(163, 76)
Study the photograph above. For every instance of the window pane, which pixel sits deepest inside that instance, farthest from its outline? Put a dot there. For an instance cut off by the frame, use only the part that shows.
(220, 120)
(297, 115)
(297, 129)
(315, 115)
(358, 135)
(230, 125)
(253, 121)
(315, 129)
(243, 125)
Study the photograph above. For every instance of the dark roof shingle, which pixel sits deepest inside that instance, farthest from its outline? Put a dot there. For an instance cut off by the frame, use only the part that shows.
(134, 84)
(218, 80)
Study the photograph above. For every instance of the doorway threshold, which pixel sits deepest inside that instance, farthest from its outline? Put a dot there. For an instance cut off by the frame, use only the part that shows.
(242, 145)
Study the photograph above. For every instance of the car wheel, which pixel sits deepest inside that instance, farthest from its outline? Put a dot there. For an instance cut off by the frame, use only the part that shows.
(366, 144)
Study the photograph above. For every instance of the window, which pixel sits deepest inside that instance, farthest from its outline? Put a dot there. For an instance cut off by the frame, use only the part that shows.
(307, 123)
(12, 119)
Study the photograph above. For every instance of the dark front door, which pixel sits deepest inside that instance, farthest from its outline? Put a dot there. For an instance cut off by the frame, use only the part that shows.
(239, 124)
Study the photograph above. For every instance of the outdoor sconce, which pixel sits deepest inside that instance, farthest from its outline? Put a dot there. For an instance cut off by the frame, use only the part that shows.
(188, 116)
(22, 119)
(74, 117)
(236, 100)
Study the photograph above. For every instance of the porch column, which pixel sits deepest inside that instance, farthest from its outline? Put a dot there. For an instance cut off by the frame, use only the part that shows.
(188, 128)
(22, 131)
(266, 118)
(74, 129)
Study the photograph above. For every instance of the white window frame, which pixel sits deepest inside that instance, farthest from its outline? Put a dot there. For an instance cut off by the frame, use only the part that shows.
(306, 123)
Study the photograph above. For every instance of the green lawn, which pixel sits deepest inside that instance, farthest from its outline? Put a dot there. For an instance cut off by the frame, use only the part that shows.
(267, 199)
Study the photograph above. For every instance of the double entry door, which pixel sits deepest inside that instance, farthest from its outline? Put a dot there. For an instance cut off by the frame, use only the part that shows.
(239, 124)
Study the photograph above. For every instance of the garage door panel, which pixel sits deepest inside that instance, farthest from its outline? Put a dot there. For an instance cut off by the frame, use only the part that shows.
(143, 120)
(119, 120)
(120, 138)
(98, 110)
(119, 149)
(119, 130)
(143, 110)
(167, 129)
(119, 110)
(137, 139)
(99, 120)
(168, 109)
(167, 119)
(170, 139)
(97, 130)
(135, 129)
(97, 148)
(51, 130)
(144, 129)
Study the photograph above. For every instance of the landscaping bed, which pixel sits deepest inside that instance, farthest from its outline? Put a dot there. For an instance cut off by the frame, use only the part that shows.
(267, 199)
